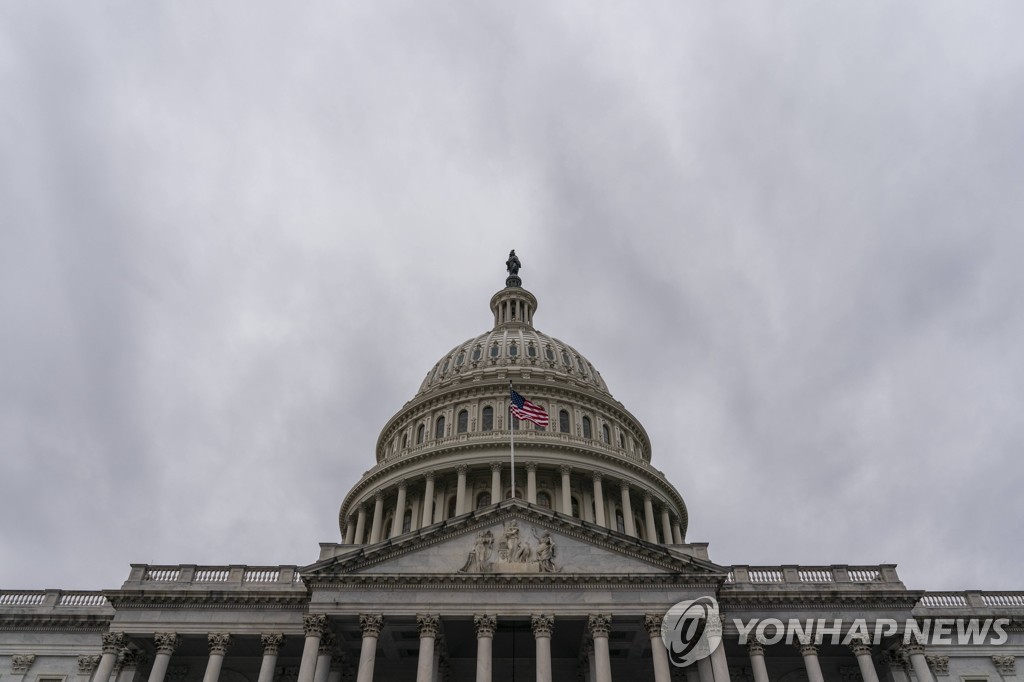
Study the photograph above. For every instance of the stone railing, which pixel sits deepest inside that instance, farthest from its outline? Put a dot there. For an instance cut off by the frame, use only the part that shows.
(184, 575)
(812, 575)
(970, 599)
(53, 599)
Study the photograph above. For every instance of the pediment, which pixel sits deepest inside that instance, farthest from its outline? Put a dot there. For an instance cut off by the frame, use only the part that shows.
(514, 539)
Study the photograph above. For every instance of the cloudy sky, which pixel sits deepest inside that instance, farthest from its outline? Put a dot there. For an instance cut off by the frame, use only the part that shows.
(234, 239)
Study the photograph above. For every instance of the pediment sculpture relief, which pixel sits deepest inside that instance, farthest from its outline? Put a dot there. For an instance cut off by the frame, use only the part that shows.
(514, 554)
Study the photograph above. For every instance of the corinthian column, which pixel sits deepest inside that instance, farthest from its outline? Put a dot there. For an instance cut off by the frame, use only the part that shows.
(862, 650)
(378, 516)
(542, 626)
(428, 500)
(495, 482)
(371, 625)
(600, 625)
(810, 653)
(166, 643)
(399, 518)
(113, 642)
(485, 627)
(651, 529)
(915, 652)
(323, 659)
(565, 469)
(314, 626)
(666, 526)
(460, 490)
(662, 672)
(428, 627)
(270, 643)
(756, 651)
(219, 643)
(531, 482)
(627, 509)
(599, 500)
(361, 525)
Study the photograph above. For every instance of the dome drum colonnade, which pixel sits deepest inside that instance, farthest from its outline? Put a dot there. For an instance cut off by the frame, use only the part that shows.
(445, 452)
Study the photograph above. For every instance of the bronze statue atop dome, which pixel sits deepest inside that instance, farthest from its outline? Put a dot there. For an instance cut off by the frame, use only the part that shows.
(512, 265)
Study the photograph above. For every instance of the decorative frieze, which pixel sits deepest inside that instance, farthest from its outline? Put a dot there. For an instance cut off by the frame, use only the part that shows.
(271, 643)
(542, 625)
(20, 663)
(219, 642)
(314, 624)
(599, 624)
(166, 642)
(1005, 665)
(428, 625)
(485, 625)
(938, 664)
(371, 624)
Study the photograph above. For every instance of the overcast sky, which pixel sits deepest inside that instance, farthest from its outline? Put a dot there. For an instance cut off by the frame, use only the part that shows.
(234, 239)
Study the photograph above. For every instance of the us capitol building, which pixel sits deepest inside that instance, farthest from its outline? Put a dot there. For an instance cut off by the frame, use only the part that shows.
(444, 572)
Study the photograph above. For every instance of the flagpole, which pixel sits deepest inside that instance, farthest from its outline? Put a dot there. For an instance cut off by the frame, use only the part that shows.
(511, 440)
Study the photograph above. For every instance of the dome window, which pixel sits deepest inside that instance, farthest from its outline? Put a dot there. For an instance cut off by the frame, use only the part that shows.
(565, 359)
(444, 369)
(477, 353)
(587, 432)
(487, 419)
(579, 364)
(531, 351)
(563, 421)
(515, 423)
(439, 428)
(549, 353)
(451, 506)
(620, 521)
(576, 507)
(407, 521)
(462, 422)
(405, 441)
(495, 350)
(419, 434)
(544, 500)
(513, 350)
(460, 359)
(605, 434)
(622, 441)
(483, 500)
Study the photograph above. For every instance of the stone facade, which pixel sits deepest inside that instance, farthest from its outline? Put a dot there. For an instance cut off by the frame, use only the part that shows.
(453, 566)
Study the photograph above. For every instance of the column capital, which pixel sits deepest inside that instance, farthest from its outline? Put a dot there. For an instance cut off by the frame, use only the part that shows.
(132, 659)
(428, 476)
(113, 642)
(754, 647)
(531, 466)
(599, 624)
(1005, 665)
(166, 642)
(219, 642)
(271, 643)
(20, 663)
(624, 485)
(806, 646)
(378, 496)
(87, 663)
(940, 664)
(542, 625)
(485, 625)
(428, 624)
(403, 484)
(893, 660)
(327, 641)
(597, 476)
(860, 646)
(496, 466)
(462, 469)
(565, 468)
(371, 624)
(314, 624)
(652, 623)
(912, 648)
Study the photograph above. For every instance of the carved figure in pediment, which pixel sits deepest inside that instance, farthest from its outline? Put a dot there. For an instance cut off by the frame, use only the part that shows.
(545, 553)
(516, 551)
(479, 559)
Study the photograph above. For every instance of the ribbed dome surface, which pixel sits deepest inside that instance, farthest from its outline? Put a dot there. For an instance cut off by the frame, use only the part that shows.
(507, 347)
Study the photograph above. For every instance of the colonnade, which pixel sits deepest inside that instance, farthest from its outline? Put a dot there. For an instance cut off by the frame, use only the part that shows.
(426, 509)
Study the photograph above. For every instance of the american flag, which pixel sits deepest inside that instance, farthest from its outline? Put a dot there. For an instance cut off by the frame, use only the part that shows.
(522, 408)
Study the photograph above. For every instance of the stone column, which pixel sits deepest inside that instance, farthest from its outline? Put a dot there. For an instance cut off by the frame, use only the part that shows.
(131, 660)
(378, 516)
(810, 653)
(915, 652)
(862, 650)
(591, 660)
(651, 529)
(113, 642)
(338, 662)
(314, 627)
(428, 626)
(542, 626)
(166, 643)
(666, 526)
(662, 672)
(599, 500)
(531, 482)
(219, 643)
(350, 531)
(271, 644)
(460, 495)
(566, 489)
(428, 499)
(677, 533)
(361, 525)
(371, 625)
(756, 651)
(396, 522)
(705, 671)
(627, 510)
(323, 660)
(485, 627)
(495, 482)
(600, 625)
(719, 663)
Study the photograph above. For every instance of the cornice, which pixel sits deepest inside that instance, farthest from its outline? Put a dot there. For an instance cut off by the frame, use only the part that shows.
(55, 623)
(205, 599)
(817, 599)
(456, 582)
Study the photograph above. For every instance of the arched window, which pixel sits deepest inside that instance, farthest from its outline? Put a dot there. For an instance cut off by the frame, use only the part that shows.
(622, 441)
(549, 353)
(488, 419)
(462, 422)
(451, 506)
(544, 500)
(563, 421)
(407, 521)
(419, 433)
(640, 528)
(389, 522)
(531, 351)
(477, 353)
(587, 433)
(515, 422)
(405, 441)
(494, 350)
(460, 359)
(576, 507)
(483, 500)
(439, 428)
(620, 521)
(606, 434)
(513, 350)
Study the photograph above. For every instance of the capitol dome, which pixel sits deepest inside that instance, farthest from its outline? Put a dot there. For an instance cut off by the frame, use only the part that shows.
(447, 451)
